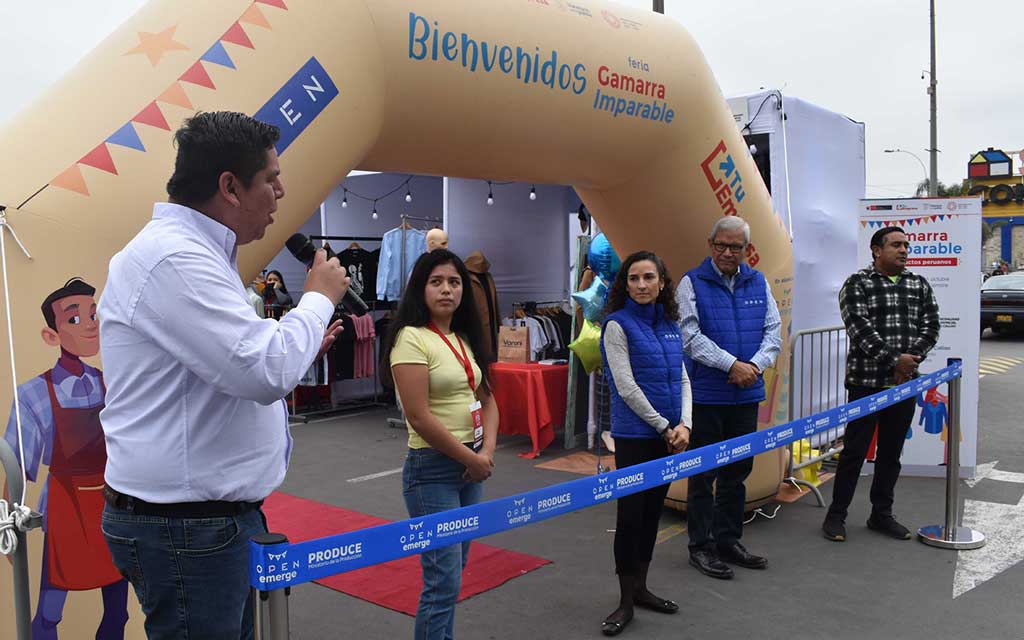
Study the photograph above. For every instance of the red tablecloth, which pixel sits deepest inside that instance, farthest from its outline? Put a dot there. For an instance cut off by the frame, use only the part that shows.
(531, 400)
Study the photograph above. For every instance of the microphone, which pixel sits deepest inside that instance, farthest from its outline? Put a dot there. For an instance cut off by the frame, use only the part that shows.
(304, 251)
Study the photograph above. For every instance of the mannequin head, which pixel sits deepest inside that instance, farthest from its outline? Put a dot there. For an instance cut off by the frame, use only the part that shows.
(437, 239)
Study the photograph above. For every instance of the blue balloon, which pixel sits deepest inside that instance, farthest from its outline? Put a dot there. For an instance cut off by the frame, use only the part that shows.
(591, 300)
(603, 259)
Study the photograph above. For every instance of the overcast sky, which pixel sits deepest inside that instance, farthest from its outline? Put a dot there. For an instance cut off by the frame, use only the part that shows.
(862, 58)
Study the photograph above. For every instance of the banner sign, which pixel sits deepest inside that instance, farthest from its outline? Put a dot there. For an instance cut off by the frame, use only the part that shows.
(945, 248)
(285, 565)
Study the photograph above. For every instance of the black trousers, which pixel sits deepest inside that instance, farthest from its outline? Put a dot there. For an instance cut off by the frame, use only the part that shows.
(714, 512)
(893, 423)
(636, 521)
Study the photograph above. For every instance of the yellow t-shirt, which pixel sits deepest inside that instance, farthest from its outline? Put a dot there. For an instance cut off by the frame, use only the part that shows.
(449, 391)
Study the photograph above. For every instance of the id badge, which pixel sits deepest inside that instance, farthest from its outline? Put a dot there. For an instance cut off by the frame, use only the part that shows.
(476, 410)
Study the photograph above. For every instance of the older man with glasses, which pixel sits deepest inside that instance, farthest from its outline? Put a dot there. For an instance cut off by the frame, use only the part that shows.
(731, 334)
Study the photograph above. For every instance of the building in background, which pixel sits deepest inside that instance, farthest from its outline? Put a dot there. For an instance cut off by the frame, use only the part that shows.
(993, 176)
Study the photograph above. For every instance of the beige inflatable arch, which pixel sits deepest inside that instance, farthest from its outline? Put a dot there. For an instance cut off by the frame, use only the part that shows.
(616, 102)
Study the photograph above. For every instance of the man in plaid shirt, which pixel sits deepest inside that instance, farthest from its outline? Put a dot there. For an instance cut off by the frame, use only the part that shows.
(892, 321)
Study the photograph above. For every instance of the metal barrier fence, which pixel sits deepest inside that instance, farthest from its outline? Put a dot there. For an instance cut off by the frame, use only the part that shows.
(817, 371)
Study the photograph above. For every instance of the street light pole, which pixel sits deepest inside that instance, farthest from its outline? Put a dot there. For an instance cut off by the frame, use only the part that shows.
(659, 6)
(925, 171)
(933, 182)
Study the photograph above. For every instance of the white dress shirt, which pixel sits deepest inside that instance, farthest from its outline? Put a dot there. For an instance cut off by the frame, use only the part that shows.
(195, 379)
(704, 350)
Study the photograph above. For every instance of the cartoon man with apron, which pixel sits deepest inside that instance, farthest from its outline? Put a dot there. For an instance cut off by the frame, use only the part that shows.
(60, 428)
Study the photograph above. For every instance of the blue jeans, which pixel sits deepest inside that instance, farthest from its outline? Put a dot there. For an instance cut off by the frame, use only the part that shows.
(191, 575)
(432, 482)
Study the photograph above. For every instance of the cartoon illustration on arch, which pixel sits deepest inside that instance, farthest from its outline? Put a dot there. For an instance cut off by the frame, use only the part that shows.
(60, 429)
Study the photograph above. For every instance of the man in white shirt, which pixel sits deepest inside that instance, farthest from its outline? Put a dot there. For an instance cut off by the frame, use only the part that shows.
(195, 425)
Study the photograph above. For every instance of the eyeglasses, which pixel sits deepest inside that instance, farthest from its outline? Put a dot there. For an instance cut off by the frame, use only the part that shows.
(720, 247)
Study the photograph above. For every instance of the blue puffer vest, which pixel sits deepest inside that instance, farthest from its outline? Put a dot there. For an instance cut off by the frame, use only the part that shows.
(656, 357)
(735, 322)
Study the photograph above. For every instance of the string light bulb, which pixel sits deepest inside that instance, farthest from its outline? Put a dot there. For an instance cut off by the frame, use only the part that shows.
(533, 192)
(490, 194)
(374, 215)
(344, 200)
(408, 194)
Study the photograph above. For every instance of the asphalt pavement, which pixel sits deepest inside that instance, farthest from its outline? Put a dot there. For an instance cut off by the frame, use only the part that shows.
(869, 586)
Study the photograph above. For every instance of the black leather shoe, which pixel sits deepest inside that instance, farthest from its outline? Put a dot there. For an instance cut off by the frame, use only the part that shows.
(737, 554)
(708, 563)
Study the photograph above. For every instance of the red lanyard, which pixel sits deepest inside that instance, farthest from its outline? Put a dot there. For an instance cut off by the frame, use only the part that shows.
(464, 360)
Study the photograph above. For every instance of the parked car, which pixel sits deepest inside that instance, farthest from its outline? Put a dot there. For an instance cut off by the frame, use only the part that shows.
(1002, 303)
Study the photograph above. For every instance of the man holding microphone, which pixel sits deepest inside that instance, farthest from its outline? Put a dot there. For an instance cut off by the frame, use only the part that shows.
(195, 423)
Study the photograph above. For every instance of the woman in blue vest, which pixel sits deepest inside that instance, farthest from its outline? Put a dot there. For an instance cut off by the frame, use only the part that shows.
(650, 402)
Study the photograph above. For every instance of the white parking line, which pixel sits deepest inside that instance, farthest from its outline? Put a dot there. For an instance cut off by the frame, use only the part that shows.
(374, 476)
(391, 472)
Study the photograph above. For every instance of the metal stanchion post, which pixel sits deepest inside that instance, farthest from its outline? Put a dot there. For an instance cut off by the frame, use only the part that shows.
(951, 535)
(19, 559)
(271, 607)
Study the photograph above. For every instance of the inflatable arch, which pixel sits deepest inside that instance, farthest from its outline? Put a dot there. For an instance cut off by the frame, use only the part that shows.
(616, 102)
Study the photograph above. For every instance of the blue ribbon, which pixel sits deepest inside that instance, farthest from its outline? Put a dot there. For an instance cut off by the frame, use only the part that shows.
(285, 565)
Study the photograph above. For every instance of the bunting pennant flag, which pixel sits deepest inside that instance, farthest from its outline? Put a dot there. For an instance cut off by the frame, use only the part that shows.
(254, 16)
(197, 74)
(237, 35)
(152, 116)
(863, 223)
(72, 180)
(218, 55)
(175, 94)
(127, 136)
(99, 158)
(941, 217)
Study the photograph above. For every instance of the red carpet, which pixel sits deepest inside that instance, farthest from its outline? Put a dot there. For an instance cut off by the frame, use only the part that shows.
(396, 584)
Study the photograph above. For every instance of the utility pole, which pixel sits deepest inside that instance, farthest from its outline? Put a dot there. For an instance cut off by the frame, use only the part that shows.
(659, 6)
(933, 181)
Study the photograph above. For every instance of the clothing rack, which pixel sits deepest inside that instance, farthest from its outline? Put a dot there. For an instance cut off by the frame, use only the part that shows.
(530, 305)
(352, 238)
(352, 404)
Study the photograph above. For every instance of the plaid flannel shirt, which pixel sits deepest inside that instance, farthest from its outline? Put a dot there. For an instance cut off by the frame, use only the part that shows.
(884, 319)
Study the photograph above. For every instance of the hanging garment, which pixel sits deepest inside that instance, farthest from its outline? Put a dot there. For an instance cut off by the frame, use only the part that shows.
(363, 366)
(361, 266)
(486, 297)
(344, 349)
(390, 280)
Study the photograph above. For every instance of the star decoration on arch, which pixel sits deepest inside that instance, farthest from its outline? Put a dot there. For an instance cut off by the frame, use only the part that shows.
(155, 45)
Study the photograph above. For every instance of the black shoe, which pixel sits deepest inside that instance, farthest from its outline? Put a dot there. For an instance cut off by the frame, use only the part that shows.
(648, 600)
(834, 529)
(708, 563)
(737, 554)
(615, 623)
(888, 526)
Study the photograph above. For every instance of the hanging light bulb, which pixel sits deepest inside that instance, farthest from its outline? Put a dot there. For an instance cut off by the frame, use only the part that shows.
(533, 192)
(374, 215)
(408, 194)
(490, 194)
(344, 200)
